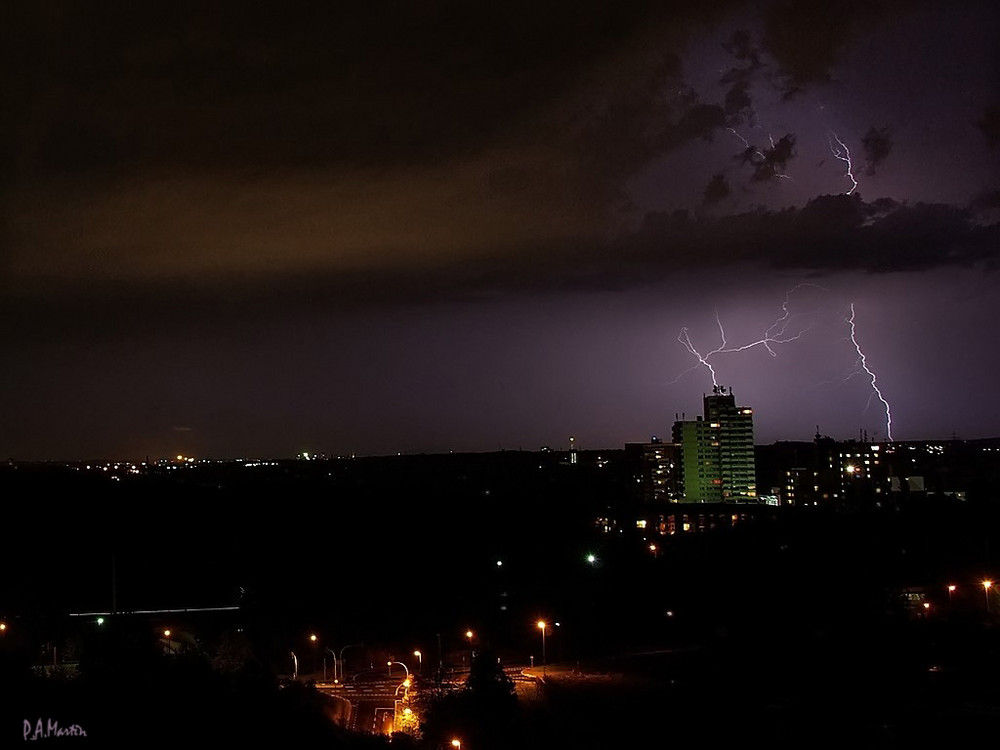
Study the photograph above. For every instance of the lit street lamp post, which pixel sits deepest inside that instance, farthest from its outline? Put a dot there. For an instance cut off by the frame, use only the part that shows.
(314, 639)
(541, 626)
(420, 662)
(349, 645)
(390, 663)
(334, 655)
(987, 585)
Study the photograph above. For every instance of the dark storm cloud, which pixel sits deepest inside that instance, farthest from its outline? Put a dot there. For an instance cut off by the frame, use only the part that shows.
(877, 143)
(150, 141)
(741, 46)
(830, 233)
(244, 156)
(738, 104)
(717, 190)
(769, 162)
(807, 39)
(238, 83)
(124, 86)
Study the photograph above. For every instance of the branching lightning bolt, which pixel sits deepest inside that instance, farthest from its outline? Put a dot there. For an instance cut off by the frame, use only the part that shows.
(783, 331)
(776, 333)
(840, 151)
(758, 153)
(863, 365)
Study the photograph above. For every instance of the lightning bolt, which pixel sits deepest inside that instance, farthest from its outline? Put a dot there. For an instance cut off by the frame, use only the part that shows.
(776, 333)
(745, 142)
(863, 364)
(685, 339)
(758, 153)
(783, 331)
(843, 153)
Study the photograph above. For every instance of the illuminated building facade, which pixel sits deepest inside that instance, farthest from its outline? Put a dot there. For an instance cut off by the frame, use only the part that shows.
(655, 471)
(717, 452)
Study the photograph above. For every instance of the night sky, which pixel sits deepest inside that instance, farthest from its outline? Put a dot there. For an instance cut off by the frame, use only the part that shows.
(233, 229)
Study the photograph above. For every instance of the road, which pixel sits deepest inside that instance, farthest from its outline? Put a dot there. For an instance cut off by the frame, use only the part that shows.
(372, 695)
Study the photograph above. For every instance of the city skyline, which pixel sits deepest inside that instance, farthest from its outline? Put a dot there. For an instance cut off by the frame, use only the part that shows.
(261, 232)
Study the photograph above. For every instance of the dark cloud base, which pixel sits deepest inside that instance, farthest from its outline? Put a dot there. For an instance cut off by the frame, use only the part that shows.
(830, 234)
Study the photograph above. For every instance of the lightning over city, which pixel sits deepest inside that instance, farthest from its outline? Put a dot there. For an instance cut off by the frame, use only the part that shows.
(368, 266)
(863, 365)
(776, 333)
(781, 331)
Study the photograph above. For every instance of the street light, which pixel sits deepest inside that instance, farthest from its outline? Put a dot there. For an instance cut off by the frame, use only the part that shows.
(390, 663)
(349, 645)
(313, 639)
(987, 584)
(456, 743)
(420, 661)
(469, 635)
(541, 626)
(334, 655)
